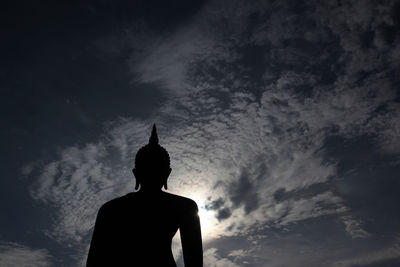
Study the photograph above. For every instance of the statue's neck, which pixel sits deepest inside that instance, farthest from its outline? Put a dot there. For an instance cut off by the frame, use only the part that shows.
(150, 191)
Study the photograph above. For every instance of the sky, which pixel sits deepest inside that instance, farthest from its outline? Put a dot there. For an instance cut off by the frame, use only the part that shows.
(281, 119)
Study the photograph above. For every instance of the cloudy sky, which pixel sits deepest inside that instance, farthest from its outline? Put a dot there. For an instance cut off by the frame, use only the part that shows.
(281, 118)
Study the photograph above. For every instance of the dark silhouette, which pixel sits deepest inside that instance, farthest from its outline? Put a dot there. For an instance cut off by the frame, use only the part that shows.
(137, 229)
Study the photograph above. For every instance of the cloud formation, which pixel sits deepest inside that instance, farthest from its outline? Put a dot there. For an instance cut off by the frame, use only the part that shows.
(254, 92)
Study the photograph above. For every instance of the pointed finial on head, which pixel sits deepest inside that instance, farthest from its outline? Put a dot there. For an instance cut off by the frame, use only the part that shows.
(153, 138)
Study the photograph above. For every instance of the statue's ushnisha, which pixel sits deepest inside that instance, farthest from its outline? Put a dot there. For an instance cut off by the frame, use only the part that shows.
(137, 229)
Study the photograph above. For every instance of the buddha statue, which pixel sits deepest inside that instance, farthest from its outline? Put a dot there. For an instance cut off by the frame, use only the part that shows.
(137, 229)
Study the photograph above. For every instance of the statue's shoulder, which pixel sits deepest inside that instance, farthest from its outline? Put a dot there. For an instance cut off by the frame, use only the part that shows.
(116, 203)
(181, 201)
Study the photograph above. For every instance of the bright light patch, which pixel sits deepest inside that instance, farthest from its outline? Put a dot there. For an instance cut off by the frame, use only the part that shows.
(208, 222)
(210, 226)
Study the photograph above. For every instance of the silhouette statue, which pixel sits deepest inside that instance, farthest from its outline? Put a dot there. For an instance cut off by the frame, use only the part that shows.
(137, 229)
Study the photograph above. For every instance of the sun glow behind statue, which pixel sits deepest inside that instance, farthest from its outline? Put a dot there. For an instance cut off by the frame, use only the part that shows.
(210, 228)
(208, 220)
(208, 223)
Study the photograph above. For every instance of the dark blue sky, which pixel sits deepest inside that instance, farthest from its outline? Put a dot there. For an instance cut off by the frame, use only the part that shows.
(282, 122)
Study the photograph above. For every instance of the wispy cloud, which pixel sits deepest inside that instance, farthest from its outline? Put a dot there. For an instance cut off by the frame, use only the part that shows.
(212, 259)
(354, 228)
(389, 255)
(13, 254)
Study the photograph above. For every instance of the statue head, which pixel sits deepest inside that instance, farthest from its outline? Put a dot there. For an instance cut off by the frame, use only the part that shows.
(152, 164)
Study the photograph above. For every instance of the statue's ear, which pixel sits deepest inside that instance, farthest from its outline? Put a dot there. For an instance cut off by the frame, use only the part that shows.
(166, 178)
(137, 184)
(135, 173)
